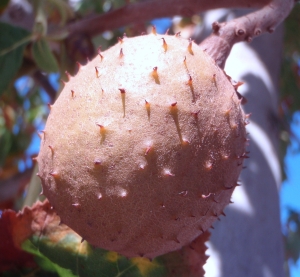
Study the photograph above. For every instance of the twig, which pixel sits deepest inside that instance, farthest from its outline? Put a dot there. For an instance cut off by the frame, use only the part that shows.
(147, 10)
(245, 28)
(43, 81)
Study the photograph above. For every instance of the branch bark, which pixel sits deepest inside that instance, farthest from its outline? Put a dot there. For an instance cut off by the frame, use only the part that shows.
(147, 10)
(218, 45)
(43, 81)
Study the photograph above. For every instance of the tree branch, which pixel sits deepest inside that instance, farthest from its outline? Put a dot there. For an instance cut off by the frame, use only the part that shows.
(218, 45)
(147, 10)
(43, 81)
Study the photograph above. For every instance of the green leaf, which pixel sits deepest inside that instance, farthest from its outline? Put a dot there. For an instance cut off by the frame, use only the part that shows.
(12, 43)
(43, 56)
(5, 142)
(40, 25)
(44, 262)
(64, 9)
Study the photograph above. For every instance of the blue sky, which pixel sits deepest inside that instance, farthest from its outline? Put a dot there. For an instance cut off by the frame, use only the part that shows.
(290, 191)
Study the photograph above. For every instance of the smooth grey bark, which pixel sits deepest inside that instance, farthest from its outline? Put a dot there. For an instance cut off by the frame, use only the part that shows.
(248, 241)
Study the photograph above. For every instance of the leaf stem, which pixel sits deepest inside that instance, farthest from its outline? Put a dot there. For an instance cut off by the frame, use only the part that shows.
(16, 45)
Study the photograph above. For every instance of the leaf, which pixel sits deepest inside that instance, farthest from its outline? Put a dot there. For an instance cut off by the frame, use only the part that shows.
(10, 232)
(44, 262)
(40, 25)
(43, 56)
(59, 249)
(64, 10)
(5, 142)
(13, 40)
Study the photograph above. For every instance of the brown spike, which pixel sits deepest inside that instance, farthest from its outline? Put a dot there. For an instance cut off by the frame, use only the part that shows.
(227, 112)
(154, 30)
(176, 240)
(231, 187)
(244, 156)
(97, 72)
(51, 148)
(97, 162)
(123, 99)
(222, 213)
(178, 34)
(195, 114)
(185, 141)
(82, 240)
(225, 157)
(68, 75)
(190, 47)
(72, 93)
(190, 81)
(215, 200)
(237, 85)
(63, 83)
(40, 135)
(99, 53)
(53, 173)
(167, 172)
(38, 174)
(183, 193)
(50, 106)
(102, 131)
(148, 149)
(121, 53)
(155, 75)
(214, 78)
(206, 196)
(120, 40)
(165, 45)
(78, 65)
(208, 165)
(174, 104)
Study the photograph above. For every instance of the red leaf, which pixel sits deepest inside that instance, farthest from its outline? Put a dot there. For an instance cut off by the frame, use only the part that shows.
(11, 254)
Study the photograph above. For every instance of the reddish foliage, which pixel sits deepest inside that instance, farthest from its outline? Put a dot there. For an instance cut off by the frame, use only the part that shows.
(189, 261)
(13, 231)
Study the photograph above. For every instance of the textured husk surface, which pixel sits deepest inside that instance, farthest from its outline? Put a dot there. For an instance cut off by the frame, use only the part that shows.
(143, 147)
